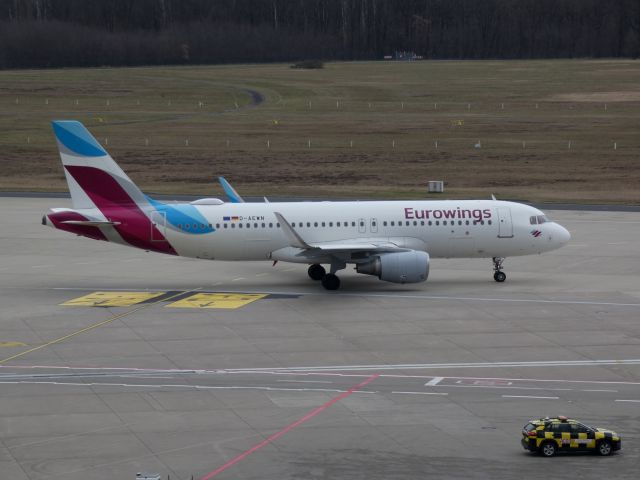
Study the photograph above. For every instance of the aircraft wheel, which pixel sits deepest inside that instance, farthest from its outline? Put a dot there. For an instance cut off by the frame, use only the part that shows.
(331, 281)
(316, 272)
(499, 277)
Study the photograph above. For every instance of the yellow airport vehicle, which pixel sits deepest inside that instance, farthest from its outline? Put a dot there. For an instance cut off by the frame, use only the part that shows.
(549, 436)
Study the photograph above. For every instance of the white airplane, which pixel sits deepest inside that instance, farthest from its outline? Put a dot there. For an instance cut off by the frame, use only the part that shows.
(393, 240)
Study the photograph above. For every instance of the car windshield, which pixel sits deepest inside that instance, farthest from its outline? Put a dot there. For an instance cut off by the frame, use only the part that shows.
(529, 427)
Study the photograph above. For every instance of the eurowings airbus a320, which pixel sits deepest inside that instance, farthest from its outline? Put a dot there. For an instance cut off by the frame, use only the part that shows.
(393, 240)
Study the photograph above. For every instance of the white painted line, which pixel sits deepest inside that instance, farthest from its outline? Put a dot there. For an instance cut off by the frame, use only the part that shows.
(525, 396)
(544, 364)
(197, 387)
(598, 382)
(421, 393)
(434, 381)
(600, 390)
(337, 371)
(304, 381)
(41, 266)
(238, 279)
(507, 387)
(262, 274)
(630, 401)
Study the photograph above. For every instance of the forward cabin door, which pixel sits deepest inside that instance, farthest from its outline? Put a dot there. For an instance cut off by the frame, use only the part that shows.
(373, 225)
(505, 226)
(362, 225)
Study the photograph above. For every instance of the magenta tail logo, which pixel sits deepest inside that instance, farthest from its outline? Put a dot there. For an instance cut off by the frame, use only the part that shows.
(536, 233)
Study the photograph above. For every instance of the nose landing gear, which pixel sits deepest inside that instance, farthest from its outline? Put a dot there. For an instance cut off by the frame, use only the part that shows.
(498, 275)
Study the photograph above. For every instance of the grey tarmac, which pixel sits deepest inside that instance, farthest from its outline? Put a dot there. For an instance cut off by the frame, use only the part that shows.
(453, 367)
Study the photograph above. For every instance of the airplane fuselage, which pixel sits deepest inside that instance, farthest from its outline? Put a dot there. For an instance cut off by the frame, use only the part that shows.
(250, 231)
(393, 240)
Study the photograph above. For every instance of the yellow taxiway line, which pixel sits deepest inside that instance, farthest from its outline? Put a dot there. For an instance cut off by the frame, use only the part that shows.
(94, 326)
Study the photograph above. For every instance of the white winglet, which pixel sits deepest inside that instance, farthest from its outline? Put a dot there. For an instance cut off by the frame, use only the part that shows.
(294, 239)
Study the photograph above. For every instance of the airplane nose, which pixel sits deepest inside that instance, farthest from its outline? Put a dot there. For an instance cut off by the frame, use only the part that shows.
(563, 235)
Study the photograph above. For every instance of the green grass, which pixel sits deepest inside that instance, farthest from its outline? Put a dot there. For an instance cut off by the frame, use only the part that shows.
(373, 127)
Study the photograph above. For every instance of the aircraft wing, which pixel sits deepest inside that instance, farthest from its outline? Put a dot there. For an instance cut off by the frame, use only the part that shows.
(351, 245)
(371, 245)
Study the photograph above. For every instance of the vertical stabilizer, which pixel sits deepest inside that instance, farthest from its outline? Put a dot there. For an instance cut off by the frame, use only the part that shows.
(93, 176)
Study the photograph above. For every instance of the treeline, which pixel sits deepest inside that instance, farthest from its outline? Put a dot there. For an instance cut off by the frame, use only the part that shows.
(53, 33)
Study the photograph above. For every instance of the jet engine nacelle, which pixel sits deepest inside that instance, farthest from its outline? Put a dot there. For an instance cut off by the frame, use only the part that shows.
(400, 267)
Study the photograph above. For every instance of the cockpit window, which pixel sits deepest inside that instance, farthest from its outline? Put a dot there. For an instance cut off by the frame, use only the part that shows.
(538, 219)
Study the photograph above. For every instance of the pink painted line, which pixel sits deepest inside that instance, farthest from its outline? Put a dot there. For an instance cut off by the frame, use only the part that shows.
(279, 434)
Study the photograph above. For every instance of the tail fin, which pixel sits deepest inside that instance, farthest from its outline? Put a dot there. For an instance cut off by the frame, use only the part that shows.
(94, 178)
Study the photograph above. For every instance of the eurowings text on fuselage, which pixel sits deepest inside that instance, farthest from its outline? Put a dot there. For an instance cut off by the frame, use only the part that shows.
(393, 240)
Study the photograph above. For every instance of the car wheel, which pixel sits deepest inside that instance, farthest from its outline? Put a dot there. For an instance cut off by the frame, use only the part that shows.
(605, 448)
(549, 449)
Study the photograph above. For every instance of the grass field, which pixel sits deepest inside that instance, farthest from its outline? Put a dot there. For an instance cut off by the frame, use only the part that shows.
(533, 130)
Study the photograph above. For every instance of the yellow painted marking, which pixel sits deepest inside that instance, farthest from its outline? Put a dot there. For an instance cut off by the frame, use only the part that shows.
(94, 326)
(12, 344)
(111, 299)
(217, 300)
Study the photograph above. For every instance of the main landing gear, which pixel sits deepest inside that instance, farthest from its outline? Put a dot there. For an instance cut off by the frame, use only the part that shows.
(330, 281)
(316, 272)
(498, 275)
